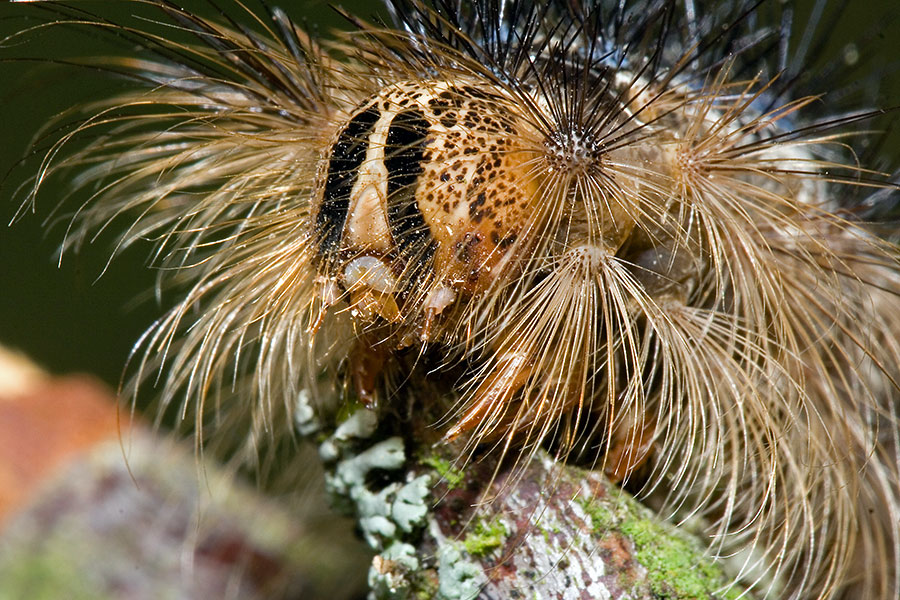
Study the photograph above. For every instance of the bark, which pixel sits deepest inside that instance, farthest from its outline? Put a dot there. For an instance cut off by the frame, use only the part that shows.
(496, 530)
(163, 525)
(94, 508)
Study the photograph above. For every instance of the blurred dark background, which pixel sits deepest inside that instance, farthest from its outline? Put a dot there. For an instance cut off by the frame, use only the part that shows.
(67, 317)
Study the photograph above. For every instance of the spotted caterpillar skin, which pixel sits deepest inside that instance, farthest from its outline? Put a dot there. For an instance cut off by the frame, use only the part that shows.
(621, 231)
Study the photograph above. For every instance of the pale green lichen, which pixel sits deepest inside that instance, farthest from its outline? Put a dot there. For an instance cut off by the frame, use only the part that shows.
(359, 425)
(410, 508)
(484, 538)
(458, 578)
(393, 571)
(305, 420)
(385, 513)
(381, 513)
(350, 473)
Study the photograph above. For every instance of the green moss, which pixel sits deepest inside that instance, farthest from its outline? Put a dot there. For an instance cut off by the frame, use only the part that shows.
(484, 538)
(426, 584)
(45, 577)
(671, 563)
(602, 518)
(545, 534)
(677, 567)
(454, 477)
(734, 593)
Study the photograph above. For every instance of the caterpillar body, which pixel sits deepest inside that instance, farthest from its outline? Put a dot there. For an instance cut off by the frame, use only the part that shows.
(606, 228)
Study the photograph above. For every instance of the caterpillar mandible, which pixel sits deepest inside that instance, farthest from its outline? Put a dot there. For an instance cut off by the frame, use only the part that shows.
(621, 231)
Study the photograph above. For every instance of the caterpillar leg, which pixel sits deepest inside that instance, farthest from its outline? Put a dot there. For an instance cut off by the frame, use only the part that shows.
(493, 397)
(366, 364)
(629, 447)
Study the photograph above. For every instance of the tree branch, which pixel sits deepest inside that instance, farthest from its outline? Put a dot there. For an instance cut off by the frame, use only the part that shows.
(493, 530)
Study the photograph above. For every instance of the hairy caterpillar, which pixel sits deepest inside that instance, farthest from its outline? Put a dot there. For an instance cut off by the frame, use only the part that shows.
(619, 230)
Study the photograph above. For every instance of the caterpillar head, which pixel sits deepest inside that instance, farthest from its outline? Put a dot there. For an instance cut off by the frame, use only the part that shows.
(422, 197)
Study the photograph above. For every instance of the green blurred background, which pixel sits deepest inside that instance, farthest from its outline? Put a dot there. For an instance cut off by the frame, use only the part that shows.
(66, 317)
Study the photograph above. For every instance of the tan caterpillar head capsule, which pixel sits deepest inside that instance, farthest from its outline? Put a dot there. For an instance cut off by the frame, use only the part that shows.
(426, 186)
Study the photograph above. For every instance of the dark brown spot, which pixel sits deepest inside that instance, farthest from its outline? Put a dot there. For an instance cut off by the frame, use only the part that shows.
(464, 249)
(508, 241)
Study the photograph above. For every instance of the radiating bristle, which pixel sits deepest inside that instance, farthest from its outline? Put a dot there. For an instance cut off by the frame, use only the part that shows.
(620, 229)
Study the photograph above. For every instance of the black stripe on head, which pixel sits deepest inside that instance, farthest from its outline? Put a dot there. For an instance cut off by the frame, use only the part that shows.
(347, 156)
(403, 160)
